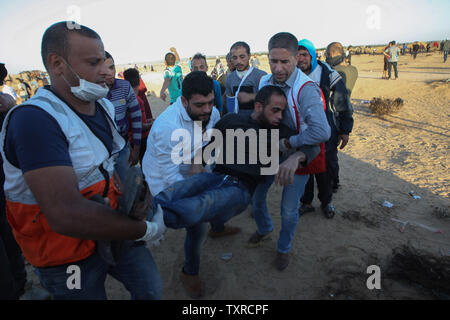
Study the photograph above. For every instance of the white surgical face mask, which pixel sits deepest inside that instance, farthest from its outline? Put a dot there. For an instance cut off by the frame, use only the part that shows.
(87, 91)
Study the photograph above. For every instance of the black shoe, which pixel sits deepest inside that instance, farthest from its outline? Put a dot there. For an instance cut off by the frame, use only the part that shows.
(282, 261)
(305, 208)
(328, 211)
(256, 239)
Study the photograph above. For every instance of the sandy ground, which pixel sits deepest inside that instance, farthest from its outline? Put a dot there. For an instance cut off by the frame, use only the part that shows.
(385, 160)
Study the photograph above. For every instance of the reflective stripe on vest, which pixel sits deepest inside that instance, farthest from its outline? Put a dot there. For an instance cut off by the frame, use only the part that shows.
(41, 245)
(86, 151)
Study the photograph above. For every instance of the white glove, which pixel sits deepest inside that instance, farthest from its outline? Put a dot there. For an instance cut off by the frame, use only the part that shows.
(155, 228)
(155, 243)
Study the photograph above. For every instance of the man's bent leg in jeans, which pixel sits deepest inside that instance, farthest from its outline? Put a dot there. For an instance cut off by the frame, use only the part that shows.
(204, 197)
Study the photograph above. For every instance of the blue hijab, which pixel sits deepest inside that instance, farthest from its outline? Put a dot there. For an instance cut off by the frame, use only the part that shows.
(312, 52)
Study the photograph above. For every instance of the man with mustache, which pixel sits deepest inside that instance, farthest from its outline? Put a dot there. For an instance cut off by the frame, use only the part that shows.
(226, 192)
(194, 106)
(306, 116)
(58, 151)
(242, 84)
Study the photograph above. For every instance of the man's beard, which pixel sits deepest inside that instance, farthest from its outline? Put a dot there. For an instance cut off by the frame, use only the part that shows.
(265, 123)
(306, 70)
(195, 117)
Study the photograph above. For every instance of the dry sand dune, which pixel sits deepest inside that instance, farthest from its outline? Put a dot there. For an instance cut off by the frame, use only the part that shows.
(385, 160)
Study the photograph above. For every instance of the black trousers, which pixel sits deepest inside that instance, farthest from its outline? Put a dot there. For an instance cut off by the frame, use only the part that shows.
(12, 267)
(326, 180)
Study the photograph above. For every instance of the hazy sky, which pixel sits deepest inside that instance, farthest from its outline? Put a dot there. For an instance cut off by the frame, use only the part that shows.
(144, 30)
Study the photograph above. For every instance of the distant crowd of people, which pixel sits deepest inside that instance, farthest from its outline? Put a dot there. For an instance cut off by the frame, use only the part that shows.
(392, 53)
(412, 48)
(24, 85)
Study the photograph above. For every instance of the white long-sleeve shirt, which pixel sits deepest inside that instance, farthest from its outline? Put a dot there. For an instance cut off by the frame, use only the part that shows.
(158, 165)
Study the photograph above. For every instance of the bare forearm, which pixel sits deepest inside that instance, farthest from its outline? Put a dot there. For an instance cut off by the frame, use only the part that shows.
(177, 56)
(95, 221)
(165, 85)
(69, 213)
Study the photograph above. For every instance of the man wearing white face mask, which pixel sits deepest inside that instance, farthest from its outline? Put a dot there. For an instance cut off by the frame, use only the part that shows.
(58, 151)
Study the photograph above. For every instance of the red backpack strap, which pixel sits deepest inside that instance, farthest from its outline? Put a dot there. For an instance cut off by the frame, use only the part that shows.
(318, 165)
(297, 118)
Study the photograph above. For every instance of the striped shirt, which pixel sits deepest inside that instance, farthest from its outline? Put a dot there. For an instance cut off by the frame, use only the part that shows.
(124, 100)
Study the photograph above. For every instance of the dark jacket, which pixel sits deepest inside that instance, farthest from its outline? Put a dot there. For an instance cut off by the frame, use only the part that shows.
(250, 172)
(339, 109)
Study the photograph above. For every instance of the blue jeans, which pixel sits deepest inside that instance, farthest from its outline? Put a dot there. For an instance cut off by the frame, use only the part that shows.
(445, 55)
(136, 270)
(122, 165)
(195, 236)
(204, 197)
(289, 210)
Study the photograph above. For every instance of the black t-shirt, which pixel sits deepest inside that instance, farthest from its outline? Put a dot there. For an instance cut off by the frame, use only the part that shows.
(248, 172)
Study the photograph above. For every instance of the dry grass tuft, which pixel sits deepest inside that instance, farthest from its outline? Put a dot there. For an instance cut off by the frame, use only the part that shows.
(381, 107)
